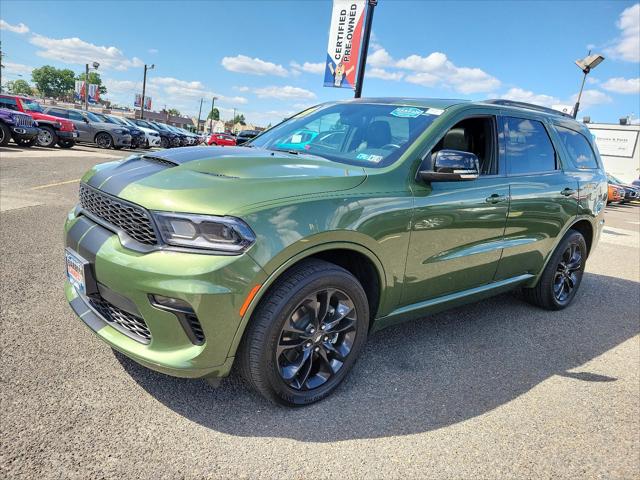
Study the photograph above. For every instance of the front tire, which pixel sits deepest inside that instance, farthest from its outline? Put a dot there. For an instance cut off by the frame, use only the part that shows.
(104, 140)
(47, 137)
(562, 276)
(164, 143)
(5, 135)
(306, 334)
(66, 143)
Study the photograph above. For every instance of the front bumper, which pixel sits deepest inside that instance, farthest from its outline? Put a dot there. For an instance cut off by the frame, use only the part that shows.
(24, 133)
(215, 287)
(122, 140)
(154, 141)
(67, 134)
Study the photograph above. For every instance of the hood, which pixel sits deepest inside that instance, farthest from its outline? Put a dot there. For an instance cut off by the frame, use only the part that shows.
(220, 180)
(109, 126)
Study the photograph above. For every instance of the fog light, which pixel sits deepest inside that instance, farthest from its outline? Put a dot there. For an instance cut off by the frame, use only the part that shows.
(171, 303)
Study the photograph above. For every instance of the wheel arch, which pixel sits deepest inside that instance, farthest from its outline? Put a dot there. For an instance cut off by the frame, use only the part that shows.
(349, 256)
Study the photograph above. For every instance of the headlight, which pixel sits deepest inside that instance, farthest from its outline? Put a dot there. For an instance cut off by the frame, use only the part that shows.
(223, 234)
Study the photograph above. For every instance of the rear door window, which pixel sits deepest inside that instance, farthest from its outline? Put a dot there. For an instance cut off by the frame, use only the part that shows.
(528, 147)
(580, 152)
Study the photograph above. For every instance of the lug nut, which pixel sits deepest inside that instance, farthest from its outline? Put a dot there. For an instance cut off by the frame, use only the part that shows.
(326, 338)
(308, 345)
(317, 349)
(322, 327)
(313, 330)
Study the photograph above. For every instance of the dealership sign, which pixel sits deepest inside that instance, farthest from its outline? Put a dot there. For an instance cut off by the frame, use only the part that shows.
(615, 142)
(345, 35)
(138, 102)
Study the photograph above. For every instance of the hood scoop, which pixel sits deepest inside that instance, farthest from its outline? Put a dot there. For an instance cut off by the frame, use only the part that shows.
(159, 160)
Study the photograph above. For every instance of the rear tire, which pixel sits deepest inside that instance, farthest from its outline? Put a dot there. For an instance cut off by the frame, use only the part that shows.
(562, 276)
(5, 135)
(47, 137)
(306, 334)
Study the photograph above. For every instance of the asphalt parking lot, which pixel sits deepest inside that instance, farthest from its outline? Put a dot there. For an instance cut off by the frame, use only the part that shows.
(498, 389)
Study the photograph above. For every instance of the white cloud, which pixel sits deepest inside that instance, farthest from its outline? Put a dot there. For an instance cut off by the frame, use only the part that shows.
(591, 97)
(153, 51)
(437, 70)
(77, 51)
(176, 88)
(284, 93)
(627, 45)
(241, 88)
(379, 58)
(19, 28)
(521, 95)
(17, 68)
(316, 68)
(252, 66)
(384, 74)
(622, 85)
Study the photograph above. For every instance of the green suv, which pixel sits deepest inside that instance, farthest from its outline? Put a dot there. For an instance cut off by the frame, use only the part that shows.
(281, 258)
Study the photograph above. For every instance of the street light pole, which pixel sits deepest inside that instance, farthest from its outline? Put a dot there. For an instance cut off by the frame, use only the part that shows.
(365, 47)
(86, 88)
(586, 65)
(144, 87)
(233, 122)
(199, 113)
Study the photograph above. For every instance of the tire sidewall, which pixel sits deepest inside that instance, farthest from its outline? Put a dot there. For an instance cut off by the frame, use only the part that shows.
(572, 237)
(54, 138)
(333, 279)
(108, 145)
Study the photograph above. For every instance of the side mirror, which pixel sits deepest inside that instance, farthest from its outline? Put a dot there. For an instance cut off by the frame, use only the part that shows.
(86, 120)
(451, 165)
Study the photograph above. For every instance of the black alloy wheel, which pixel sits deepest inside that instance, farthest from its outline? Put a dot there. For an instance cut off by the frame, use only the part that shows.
(164, 143)
(562, 276)
(5, 135)
(104, 140)
(316, 339)
(305, 334)
(66, 143)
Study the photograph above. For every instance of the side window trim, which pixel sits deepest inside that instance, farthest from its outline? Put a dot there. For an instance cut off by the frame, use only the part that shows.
(504, 121)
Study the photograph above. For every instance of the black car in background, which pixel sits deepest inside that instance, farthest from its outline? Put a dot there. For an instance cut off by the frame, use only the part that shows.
(167, 138)
(137, 135)
(245, 135)
(173, 138)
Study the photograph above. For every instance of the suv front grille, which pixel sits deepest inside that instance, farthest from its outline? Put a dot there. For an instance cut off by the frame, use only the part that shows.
(24, 121)
(133, 324)
(132, 219)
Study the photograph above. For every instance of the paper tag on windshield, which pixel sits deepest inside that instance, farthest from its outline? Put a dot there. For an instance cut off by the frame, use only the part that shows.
(434, 111)
(296, 138)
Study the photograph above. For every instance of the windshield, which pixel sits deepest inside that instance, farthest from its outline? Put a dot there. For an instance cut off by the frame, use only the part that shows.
(31, 105)
(93, 117)
(117, 120)
(142, 123)
(161, 127)
(369, 135)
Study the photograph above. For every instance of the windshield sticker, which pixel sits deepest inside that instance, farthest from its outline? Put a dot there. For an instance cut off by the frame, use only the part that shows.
(407, 112)
(370, 158)
(434, 111)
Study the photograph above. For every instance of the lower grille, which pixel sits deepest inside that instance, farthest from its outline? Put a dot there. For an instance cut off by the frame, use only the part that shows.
(196, 328)
(134, 325)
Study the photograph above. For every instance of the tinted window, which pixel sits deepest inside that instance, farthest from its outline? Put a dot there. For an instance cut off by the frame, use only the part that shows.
(528, 147)
(578, 147)
(9, 103)
(75, 116)
(57, 113)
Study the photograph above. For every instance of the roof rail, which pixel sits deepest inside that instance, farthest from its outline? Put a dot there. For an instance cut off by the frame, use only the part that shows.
(529, 106)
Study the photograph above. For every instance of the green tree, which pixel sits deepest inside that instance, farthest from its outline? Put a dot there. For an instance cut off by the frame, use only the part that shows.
(94, 79)
(214, 114)
(53, 82)
(19, 87)
(239, 119)
(174, 112)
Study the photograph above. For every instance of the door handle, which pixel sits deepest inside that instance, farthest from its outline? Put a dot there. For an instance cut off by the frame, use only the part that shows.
(567, 192)
(496, 198)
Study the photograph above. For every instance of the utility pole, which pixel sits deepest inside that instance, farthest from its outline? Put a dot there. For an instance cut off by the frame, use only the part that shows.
(86, 88)
(144, 86)
(371, 5)
(233, 122)
(213, 101)
(199, 113)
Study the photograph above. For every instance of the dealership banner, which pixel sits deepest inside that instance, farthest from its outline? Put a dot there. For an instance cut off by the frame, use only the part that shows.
(94, 92)
(345, 36)
(138, 101)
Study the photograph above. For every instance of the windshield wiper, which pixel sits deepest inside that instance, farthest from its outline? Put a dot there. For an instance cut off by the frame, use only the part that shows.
(292, 152)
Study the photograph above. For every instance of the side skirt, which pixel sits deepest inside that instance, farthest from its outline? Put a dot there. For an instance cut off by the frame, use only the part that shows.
(429, 307)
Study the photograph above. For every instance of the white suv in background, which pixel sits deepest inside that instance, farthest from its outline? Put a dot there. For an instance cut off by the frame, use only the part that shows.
(152, 136)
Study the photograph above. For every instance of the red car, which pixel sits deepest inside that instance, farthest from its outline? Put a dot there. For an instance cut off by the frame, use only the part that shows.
(52, 129)
(221, 139)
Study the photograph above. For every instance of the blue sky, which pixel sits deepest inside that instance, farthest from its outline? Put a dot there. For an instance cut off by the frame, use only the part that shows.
(265, 57)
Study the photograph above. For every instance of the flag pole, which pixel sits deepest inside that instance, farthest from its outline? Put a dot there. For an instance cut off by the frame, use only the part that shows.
(371, 5)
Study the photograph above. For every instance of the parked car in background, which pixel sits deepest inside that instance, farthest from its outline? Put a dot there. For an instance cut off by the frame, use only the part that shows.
(152, 137)
(137, 135)
(245, 135)
(631, 192)
(165, 137)
(173, 139)
(283, 262)
(614, 193)
(194, 137)
(52, 130)
(91, 129)
(221, 139)
(185, 140)
(20, 127)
